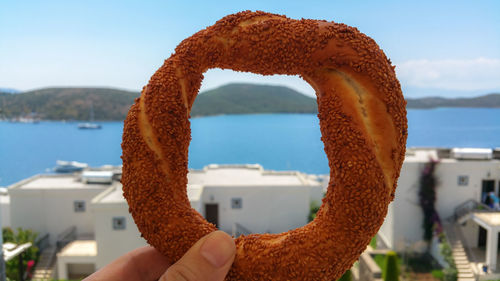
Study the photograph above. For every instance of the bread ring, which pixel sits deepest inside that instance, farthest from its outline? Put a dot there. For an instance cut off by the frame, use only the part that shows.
(363, 124)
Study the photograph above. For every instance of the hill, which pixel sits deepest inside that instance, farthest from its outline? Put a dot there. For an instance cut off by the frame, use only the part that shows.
(113, 104)
(486, 101)
(68, 103)
(251, 98)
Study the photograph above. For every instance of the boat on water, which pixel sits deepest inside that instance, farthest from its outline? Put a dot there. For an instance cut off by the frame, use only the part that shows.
(90, 125)
(69, 166)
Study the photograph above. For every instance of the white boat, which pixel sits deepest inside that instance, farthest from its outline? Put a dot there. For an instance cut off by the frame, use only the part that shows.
(90, 125)
(69, 166)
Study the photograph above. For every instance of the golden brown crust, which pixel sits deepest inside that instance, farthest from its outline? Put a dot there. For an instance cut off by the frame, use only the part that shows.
(363, 124)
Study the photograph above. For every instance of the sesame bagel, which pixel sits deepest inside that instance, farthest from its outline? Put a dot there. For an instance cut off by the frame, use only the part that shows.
(363, 124)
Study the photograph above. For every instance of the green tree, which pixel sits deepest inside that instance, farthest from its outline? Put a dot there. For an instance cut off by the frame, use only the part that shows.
(8, 235)
(347, 276)
(391, 272)
(22, 236)
(313, 209)
(450, 273)
(373, 242)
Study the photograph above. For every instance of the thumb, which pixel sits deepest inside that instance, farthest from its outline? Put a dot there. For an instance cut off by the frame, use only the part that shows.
(209, 259)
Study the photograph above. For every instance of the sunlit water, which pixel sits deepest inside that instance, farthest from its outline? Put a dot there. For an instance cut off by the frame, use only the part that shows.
(276, 141)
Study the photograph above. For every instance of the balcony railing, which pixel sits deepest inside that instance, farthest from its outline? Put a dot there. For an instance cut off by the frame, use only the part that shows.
(66, 237)
(43, 242)
(470, 206)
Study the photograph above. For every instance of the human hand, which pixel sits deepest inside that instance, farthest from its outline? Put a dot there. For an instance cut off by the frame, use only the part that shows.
(209, 259)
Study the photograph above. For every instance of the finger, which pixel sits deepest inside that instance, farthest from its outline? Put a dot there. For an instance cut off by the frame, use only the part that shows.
(209, 259)
(142, 264)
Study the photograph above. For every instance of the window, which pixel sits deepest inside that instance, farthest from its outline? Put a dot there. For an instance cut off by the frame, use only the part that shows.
(79, 206)
(463, 180)
(236, 203)
(118, 223)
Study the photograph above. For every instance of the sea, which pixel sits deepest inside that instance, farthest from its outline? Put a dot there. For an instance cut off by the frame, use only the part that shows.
(275, 141)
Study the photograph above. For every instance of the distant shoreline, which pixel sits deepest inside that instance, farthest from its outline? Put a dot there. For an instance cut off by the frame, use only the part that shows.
(485, 101)
(221, 115)
(110, 104)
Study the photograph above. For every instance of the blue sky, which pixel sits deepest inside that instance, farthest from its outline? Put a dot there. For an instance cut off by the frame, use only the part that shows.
(444, 48)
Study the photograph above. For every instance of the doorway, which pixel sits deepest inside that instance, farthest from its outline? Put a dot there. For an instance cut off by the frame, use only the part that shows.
(212, 213)
(482, 238)
(481, 241)
(486, 187)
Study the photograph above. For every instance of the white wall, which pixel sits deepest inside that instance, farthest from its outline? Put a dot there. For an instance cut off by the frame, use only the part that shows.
(81, 269)
(450, 194)
(386, 231)
(264, 209)
(113, 243)
(79, 265)
(403, 223)
(407, 223)
(27, 210)
(5, 210)
(51, 210)
(316, 193)
(272, 209)
(470, 230)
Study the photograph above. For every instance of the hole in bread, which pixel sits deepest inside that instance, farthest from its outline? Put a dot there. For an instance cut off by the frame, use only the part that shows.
(234, 150)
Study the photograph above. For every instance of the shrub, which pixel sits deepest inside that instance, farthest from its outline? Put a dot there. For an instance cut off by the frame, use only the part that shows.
(439, 274)
(347, 276)
(313, 209)
(22, 236)
(373, 242)
(391, 267)
(450, 273)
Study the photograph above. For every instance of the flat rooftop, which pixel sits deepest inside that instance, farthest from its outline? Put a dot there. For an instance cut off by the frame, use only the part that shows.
(194, 192)
(247, 175)
(423, 154)
(491, 219)
(4, 199)
(79, 248)
(114, 194)
(223, 175)
(420, 155)
(65, 181)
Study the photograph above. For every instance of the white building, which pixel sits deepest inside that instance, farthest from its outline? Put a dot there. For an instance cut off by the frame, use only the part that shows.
(52, 204)
(257, 200)
(458, 181)
(464, 177)
(238, 198)
(115, 234)
(247, 198)
(115, 230)
(4, 207)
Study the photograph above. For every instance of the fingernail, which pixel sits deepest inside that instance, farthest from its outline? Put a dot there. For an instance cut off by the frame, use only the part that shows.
(218, 248)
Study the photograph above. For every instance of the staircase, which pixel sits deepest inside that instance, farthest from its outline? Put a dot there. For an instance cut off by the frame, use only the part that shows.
(462, 214)
(462, 263)
(45, 267)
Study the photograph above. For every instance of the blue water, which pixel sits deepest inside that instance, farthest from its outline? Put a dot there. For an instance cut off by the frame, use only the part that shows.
(276, 141)
(454, 127)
